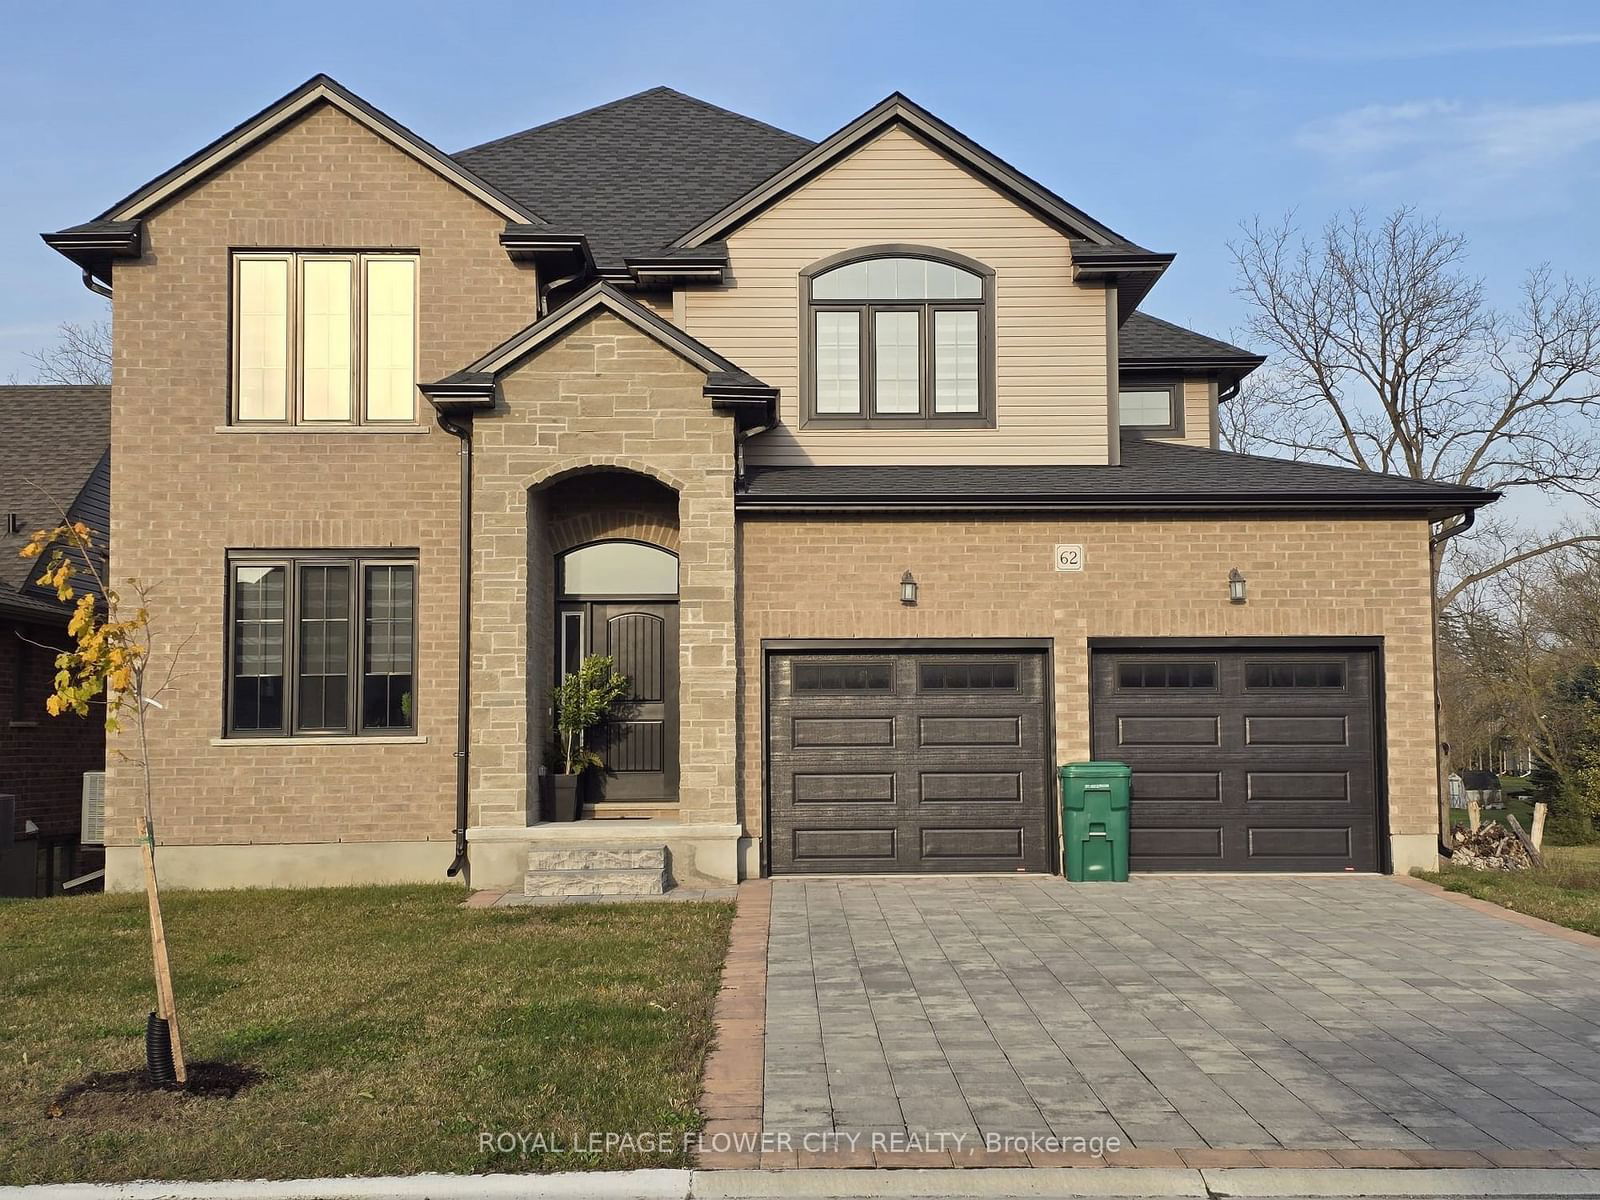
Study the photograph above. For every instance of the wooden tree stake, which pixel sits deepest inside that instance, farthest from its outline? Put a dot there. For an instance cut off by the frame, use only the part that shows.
(166, 1004)
(1474, 815)
(1541, 810)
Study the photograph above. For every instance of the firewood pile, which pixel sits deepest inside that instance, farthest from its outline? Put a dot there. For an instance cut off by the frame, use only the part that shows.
(1490, 847)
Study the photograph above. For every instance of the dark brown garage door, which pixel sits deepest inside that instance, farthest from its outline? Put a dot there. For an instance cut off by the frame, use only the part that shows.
(1242, 759)
(907, 762)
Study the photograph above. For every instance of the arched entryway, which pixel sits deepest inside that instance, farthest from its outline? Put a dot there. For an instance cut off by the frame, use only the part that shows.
(620, 598)
(604, 548)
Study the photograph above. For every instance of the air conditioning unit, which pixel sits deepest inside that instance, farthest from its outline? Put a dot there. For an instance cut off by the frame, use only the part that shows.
(8, 820)
(94, 809)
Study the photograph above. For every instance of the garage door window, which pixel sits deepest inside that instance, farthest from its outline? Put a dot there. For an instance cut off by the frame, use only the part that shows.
(1273, 675)
(967, 676)
(1167, 675)
(843, 678)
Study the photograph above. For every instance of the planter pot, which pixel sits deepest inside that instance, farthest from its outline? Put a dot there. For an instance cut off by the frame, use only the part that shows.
(564, 800)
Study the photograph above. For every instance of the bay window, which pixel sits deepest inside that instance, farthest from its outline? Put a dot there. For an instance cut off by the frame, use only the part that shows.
(324, 339)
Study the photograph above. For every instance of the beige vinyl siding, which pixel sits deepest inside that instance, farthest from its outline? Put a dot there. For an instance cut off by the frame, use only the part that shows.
(1198, 396)
(1050, 353)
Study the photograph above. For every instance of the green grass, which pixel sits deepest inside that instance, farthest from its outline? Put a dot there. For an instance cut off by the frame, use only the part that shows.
(391, 1026)
(1515, 785)
(1520, 805)
(1566, 890)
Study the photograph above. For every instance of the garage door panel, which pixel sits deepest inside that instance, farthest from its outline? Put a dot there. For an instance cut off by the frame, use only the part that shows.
(1278, 842)
(1298, 787)
(825, 788)
(1152, 844)
(1297, 731)
(937, 762)
(1183, 787)
(1167, 730)
(966, 844)
(1288, 781)
(823, 846)
(823, 732)
(970, 731)
(970, 787)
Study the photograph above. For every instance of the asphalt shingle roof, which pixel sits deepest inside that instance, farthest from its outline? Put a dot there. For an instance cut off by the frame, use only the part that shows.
(635, 173)
(1152, 474)
(54, 451)
(1145, 337)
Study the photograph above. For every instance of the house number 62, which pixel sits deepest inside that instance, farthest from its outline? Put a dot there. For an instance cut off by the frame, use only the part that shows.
(1069, 558)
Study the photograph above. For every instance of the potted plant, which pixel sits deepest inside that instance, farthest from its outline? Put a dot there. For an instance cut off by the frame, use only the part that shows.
(582, 700)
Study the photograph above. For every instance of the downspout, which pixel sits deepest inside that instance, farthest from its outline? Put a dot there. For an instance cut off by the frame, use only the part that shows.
(543, 307)
(1436, 558)
(95, 286)
(463, 431)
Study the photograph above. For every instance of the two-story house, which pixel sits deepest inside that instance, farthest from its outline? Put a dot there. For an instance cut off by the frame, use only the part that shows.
(858, 456)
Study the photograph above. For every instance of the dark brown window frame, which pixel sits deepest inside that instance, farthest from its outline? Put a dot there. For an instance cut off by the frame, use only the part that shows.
(1172, 385)
(291, 562)
(925, 417)
(1213, 665)
(865, 662)
(1337, 664)
(988, 663)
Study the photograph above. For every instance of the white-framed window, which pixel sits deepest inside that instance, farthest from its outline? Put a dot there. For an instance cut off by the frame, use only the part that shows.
(324, 338)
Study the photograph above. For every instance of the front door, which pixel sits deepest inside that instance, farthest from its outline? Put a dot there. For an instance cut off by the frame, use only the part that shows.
(640, 743)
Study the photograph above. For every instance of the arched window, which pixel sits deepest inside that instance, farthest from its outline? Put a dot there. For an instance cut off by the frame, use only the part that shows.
(618, 569)
(899, 336)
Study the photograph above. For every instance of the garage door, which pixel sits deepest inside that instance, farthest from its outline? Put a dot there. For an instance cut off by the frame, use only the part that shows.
(1243, 759)
(907, 762)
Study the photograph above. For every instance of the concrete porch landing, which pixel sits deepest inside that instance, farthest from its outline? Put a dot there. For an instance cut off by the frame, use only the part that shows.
(699, 855)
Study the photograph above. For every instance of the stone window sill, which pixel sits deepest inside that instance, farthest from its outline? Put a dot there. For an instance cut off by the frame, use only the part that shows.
(320, 430)
(320, 741)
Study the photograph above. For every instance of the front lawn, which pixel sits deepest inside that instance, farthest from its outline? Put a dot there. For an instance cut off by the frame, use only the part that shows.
(391, 1027)
(1566, 891)
(1519, 805)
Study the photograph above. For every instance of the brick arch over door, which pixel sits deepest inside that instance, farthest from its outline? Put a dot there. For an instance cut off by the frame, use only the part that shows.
(598, 506)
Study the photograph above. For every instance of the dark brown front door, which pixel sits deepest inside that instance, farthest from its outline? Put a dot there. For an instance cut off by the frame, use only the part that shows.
(925, 762)
(640, 745)
(1244, 760)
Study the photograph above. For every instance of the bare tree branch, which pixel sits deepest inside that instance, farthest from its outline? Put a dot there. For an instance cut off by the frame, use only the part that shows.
(81, 355)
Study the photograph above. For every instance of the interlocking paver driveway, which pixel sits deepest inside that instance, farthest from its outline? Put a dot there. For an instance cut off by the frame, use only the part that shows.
(1178, 1012)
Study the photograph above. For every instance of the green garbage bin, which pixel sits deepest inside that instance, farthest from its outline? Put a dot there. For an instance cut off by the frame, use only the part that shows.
(1094, 821)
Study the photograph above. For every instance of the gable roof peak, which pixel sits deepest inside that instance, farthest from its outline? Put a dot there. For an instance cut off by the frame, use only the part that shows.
(318, 89)
(898, 108)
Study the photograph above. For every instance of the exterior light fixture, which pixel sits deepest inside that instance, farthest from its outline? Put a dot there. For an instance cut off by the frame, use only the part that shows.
(1235, 587)
(908, 589)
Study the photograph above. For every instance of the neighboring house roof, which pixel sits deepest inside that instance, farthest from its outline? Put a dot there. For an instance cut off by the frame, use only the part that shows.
(1153, 476)
(1480, 781)
(728, 386)
(54, 455)
(633, 174)
(1145, 340)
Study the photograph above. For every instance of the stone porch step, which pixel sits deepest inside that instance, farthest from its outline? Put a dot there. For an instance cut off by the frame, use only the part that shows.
(595, 858)
(618, 870)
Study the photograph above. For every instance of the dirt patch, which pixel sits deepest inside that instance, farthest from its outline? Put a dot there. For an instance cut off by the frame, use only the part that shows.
(131, 1095)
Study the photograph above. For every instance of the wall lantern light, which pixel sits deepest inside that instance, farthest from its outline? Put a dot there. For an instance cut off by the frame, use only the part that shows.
(1235, 587)
(908, 589)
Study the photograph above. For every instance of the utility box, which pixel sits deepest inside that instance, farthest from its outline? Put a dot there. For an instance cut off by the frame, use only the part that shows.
(1094, 821)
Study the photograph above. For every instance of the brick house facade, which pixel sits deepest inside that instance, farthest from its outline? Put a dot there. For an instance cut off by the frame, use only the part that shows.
(830, 474)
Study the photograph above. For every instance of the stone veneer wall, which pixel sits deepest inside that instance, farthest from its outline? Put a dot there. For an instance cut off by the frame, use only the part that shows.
(608, 398)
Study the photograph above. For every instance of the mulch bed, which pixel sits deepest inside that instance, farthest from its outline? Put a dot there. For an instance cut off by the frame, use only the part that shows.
(131, 1094)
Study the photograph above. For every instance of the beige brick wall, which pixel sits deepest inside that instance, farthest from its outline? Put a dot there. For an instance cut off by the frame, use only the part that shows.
(183, 494)
(833, 577)
(604, 397)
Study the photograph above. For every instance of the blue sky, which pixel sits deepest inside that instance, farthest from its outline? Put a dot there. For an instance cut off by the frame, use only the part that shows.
(1171, 122)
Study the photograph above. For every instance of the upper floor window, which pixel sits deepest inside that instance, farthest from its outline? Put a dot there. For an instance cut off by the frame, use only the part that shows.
(324, 339)
(1151, 407)
(899, 337)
